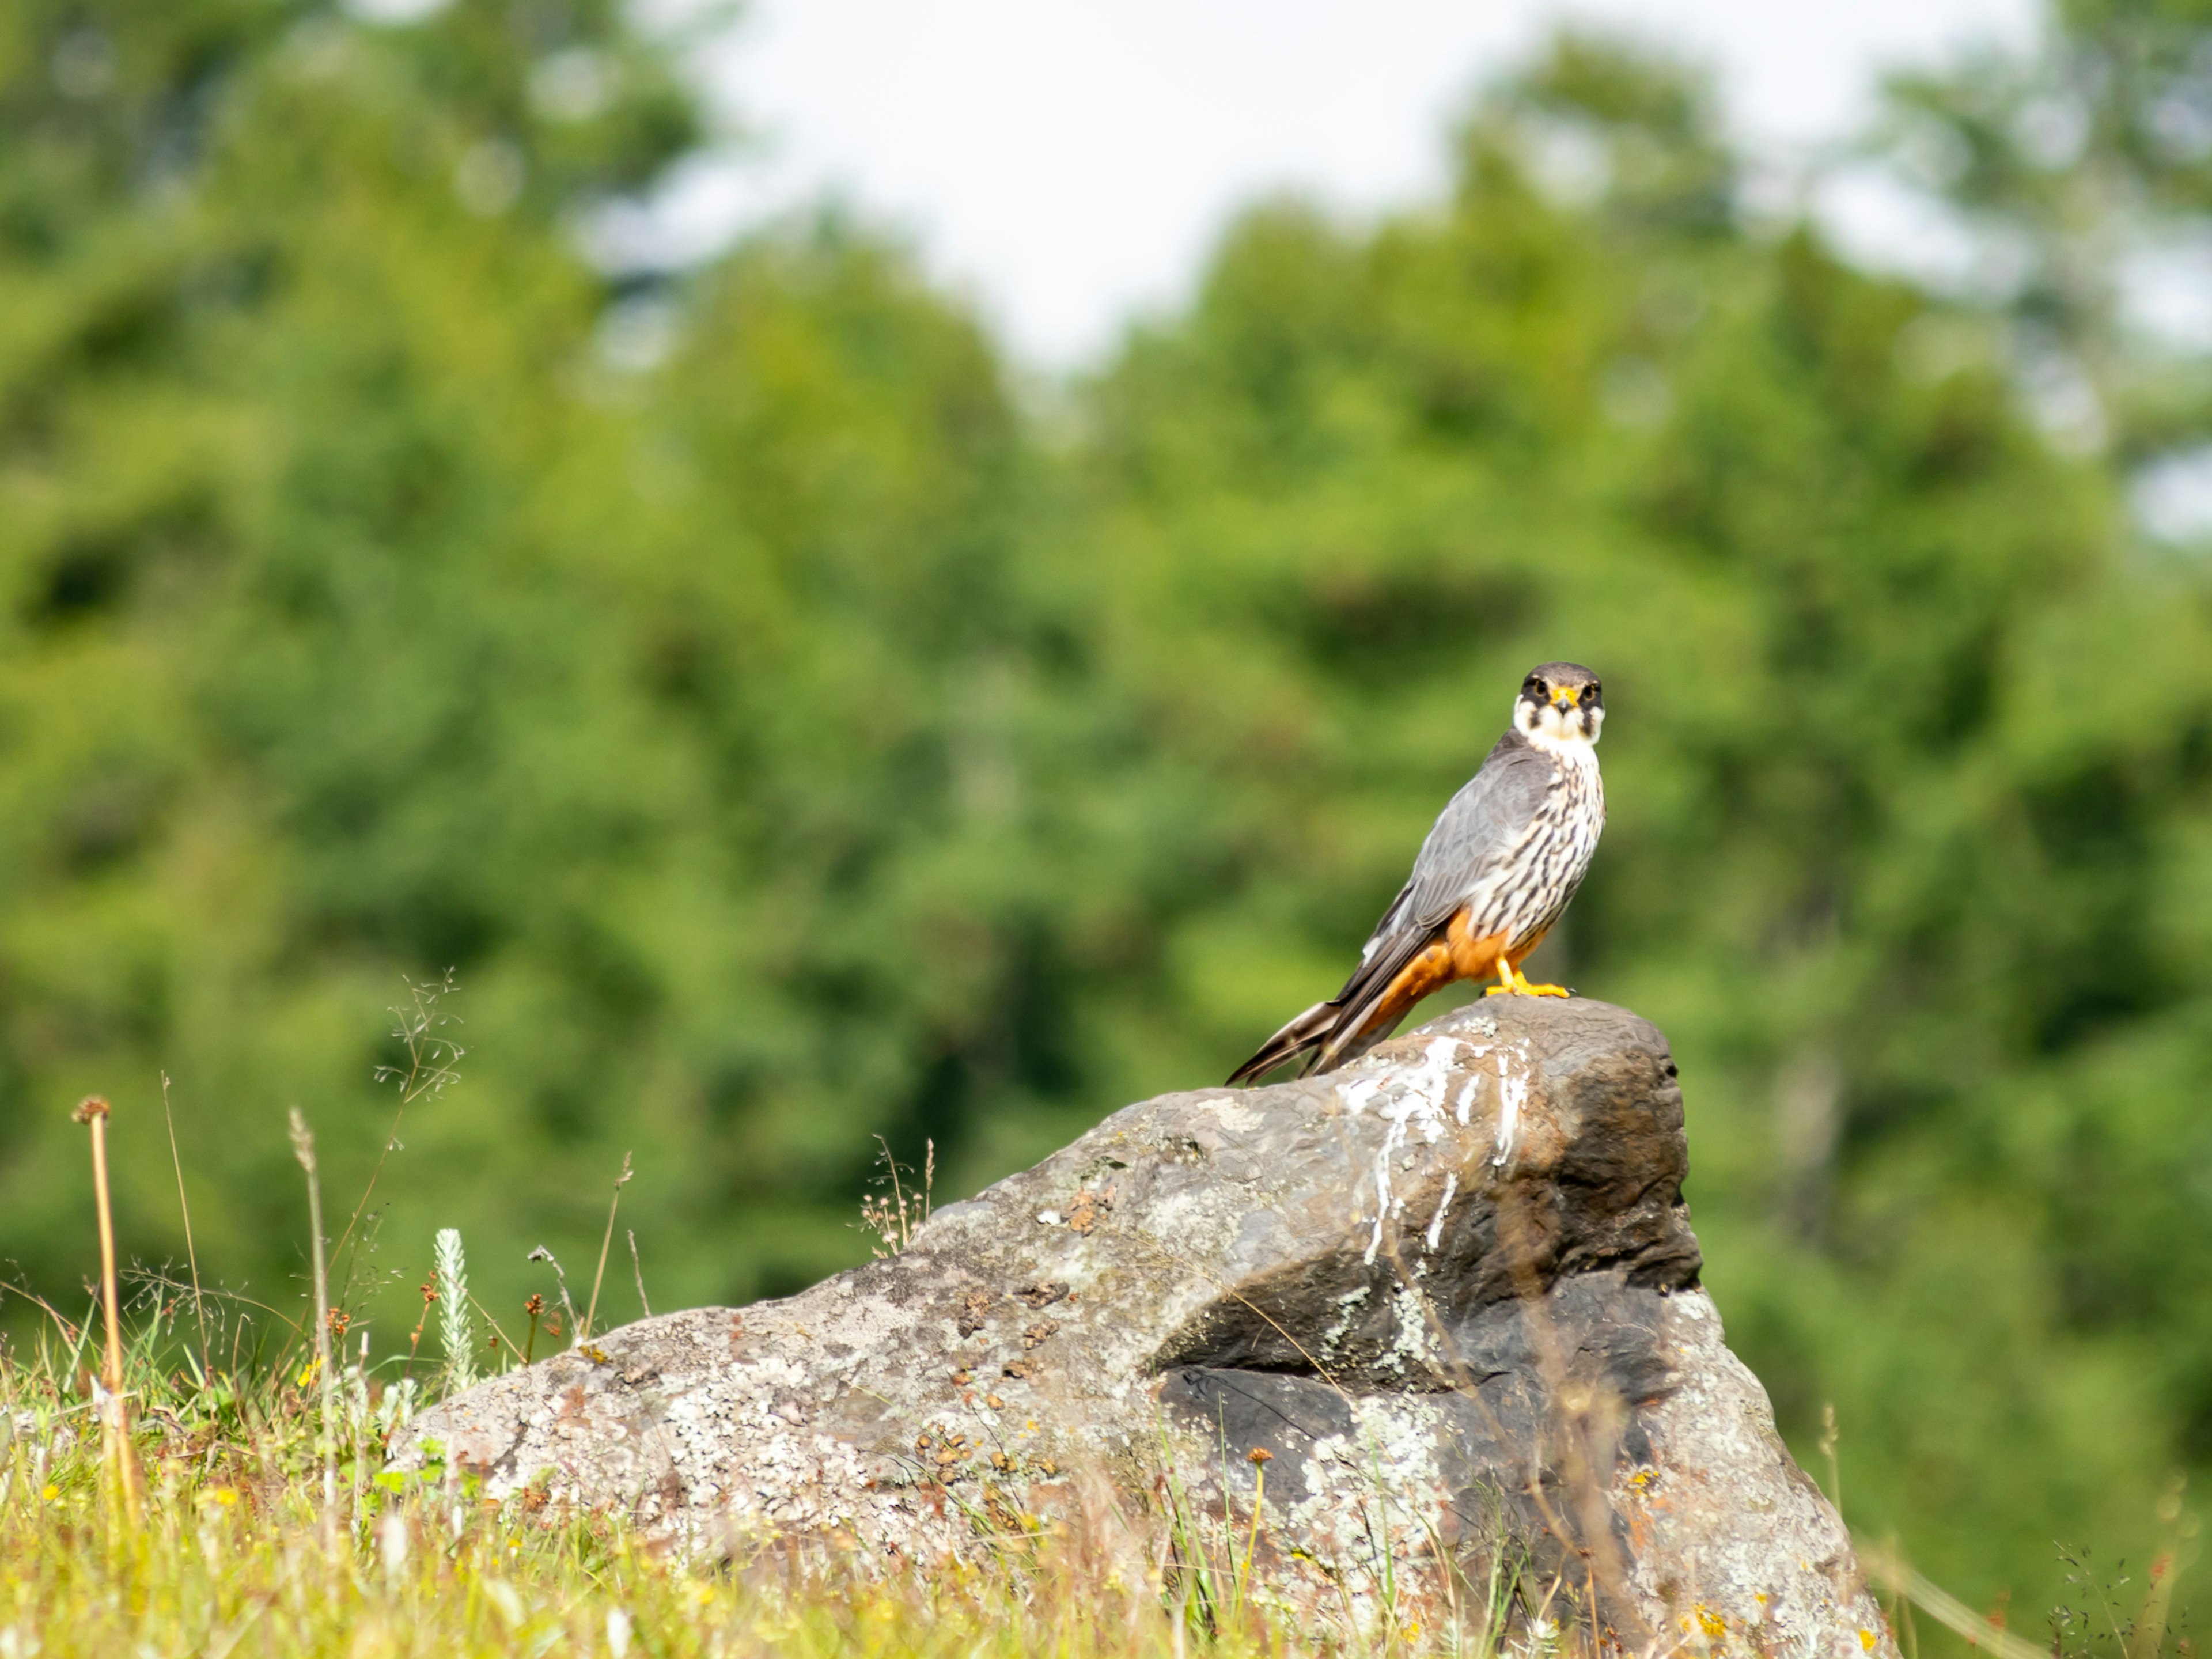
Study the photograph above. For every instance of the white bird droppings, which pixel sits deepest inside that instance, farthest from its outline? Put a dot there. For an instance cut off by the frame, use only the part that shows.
(1436, 1223)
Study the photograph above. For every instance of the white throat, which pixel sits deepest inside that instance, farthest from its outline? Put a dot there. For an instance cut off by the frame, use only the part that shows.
(1571, 747)
(1561, 734)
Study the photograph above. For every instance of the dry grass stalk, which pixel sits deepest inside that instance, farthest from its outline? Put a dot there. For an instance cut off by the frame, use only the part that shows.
(895, 1219)
(430, 1070)
(592, 1307)
(638, 1267)
(192, 1255)
(1585, 1432)
(1587, 1420)
(303, 1148)
(115, 1420)
(218, 1569)
(1891, 1570)
(561, 1280)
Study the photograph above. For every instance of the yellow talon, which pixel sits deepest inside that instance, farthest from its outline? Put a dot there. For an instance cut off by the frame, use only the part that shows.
(1511, 983)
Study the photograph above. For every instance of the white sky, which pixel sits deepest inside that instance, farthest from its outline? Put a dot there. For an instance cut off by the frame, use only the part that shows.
(1067, 162)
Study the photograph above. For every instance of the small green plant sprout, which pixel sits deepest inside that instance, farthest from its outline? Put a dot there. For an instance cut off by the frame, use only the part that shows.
(894, 1217)
(454, 1333)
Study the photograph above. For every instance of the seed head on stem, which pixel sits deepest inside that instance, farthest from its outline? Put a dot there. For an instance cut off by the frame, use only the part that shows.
(93, 1112)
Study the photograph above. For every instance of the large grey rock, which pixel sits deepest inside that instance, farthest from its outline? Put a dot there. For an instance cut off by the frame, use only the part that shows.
(1438, 1310)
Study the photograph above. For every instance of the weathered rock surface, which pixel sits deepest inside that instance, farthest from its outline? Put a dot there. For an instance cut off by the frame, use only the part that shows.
(1450, 1292)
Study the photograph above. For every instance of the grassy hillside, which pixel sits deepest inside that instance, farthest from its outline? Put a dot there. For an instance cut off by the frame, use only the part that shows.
(244, 1506)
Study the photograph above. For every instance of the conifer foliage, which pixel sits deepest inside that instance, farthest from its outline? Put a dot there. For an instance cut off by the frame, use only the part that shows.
(788, 736)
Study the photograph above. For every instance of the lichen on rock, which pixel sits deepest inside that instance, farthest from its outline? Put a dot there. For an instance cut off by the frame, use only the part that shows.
(1440, 1304)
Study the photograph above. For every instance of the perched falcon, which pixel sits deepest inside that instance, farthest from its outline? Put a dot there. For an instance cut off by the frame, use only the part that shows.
(1495, 874)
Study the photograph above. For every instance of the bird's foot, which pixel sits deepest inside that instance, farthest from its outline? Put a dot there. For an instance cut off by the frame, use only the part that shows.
(1515, 986)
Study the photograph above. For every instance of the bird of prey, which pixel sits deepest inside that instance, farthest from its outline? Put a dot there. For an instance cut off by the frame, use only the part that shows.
(1495, 874)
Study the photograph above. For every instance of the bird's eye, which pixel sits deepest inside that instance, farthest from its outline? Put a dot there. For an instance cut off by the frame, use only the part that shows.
(1534, 688)
(1590, 693)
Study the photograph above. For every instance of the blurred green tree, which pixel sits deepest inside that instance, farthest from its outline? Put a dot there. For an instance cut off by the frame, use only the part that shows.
(367, 615)
(1908, 759)
(2079, 175)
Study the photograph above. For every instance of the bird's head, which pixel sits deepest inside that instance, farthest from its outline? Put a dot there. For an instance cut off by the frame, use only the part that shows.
(1561, 704)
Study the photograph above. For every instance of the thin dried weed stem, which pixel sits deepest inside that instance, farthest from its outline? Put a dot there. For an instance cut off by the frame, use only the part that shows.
(1888, 1568)
(638, 1268)
(430, 1069)
(500, 1338)
(1577, 1419)
(184, 1207)
(303, 1148)
(897, 1219)
(1183, 1529)
(560, 1279)
(93, 1112)
(592, 1307)
(1579, 1414)
(1586, 1414)
(1830, 1435)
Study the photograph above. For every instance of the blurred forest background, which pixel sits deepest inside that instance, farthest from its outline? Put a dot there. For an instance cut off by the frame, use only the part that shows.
(792, 727)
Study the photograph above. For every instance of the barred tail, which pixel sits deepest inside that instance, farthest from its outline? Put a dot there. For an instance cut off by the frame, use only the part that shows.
(1329, 1034)
(1309, 1030)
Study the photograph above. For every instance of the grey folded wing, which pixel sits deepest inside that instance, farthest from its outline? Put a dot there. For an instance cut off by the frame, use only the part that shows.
(1481, 827)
